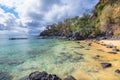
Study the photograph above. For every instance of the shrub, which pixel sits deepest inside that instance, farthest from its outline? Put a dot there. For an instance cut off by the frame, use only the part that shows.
(100, 7)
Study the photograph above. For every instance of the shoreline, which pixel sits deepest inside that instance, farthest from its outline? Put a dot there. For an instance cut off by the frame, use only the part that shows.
(111, 42)
(102, 58)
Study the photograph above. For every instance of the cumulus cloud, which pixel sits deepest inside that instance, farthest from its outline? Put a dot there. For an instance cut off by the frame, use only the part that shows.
(10, 25)
(34, 15)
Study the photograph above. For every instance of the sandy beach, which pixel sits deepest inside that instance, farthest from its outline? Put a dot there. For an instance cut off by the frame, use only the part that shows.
(111, 42)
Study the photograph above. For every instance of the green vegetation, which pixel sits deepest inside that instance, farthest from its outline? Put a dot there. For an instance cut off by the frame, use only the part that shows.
(82, 25)
(100, 7)
(104, 21)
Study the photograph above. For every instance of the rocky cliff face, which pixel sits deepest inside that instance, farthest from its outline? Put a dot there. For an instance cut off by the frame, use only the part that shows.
(107, 17)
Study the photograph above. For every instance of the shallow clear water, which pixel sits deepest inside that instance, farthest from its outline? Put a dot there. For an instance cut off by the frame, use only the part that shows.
(21, 57)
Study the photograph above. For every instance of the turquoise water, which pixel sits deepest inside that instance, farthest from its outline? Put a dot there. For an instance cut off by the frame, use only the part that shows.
(21, 57)
(18, 58)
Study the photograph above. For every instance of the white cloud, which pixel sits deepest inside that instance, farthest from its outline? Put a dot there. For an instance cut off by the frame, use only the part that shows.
(10, 25)
(35, 14)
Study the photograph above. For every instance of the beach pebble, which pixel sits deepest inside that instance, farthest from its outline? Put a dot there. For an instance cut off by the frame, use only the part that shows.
(97, 57)
(117, 71)
(113, 52)
(89, 44)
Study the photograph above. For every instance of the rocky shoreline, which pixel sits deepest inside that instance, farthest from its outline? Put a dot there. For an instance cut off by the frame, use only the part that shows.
(114, 50)
(45, 76)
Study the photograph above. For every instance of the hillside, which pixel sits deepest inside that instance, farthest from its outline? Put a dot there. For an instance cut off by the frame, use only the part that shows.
(107, 17)
(104, 21)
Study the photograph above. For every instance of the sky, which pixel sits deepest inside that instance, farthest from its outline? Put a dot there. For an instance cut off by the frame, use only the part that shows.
(30, 17)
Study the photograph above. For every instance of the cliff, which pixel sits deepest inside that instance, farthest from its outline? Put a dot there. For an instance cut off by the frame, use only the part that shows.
(107, 17)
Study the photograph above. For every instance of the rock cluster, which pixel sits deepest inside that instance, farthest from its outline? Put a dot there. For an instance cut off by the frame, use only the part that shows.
(45, 76)
(41, 76)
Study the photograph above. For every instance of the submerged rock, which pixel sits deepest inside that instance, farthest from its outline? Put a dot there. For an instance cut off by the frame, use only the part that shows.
(106, 65)
(5, 76)
(41, 76)
(82, 47)
(78, 53)
(69, 78)
(15, 62)
(77, 42)
(25, 78)
(77, 59)
(11, 61)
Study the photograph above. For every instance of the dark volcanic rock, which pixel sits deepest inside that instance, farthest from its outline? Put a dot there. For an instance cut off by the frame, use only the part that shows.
(116, 50)
(109, 46)
(106, 65)
(113, 52)
(117, 71)
(69, 78)
(5, 76)
(41, 76)
(37, 75)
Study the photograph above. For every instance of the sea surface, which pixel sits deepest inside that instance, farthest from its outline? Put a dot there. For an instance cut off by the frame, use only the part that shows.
(18, 58)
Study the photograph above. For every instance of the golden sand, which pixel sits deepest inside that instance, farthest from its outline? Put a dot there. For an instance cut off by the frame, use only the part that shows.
(111, 42)
(96, 71)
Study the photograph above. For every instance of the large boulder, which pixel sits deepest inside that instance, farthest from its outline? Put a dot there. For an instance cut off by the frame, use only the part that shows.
(41, 76)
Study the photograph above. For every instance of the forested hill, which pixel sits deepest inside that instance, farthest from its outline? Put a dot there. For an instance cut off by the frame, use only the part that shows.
(104, 21)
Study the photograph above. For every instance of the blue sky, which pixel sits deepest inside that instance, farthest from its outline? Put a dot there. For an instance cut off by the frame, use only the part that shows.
(9, 10)
(30, 17)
